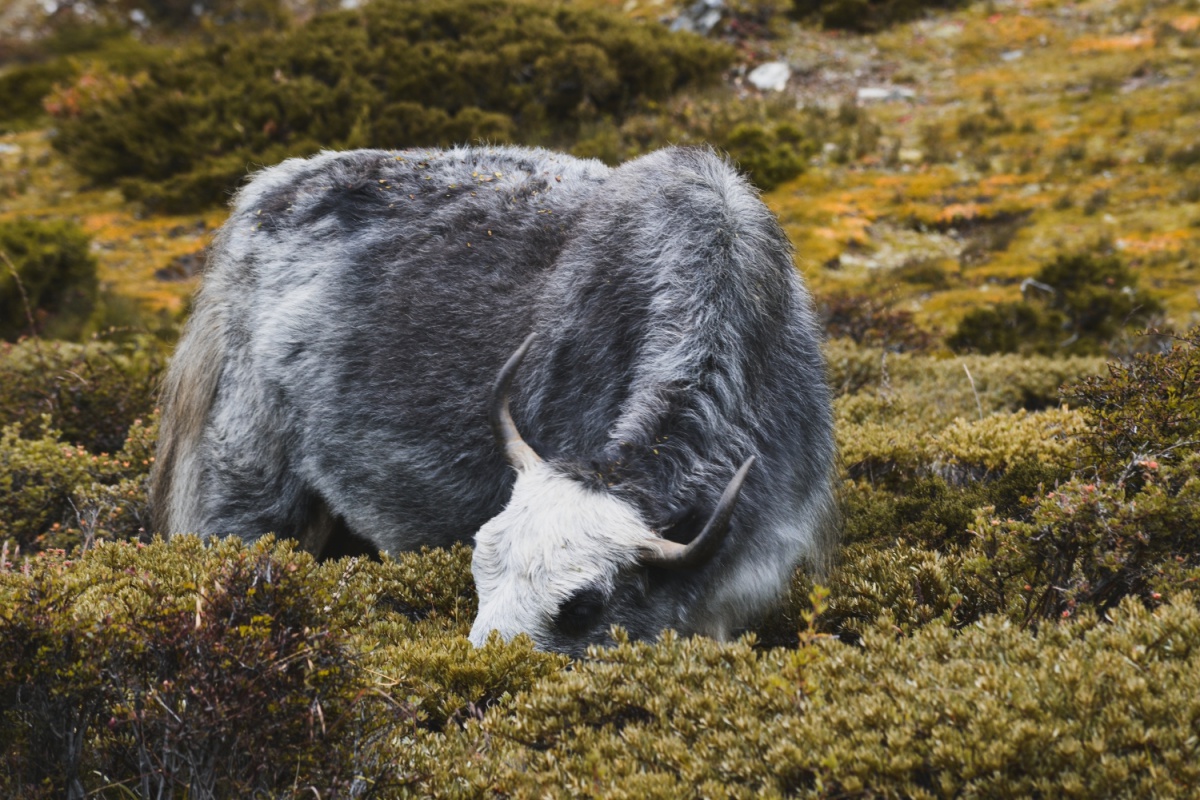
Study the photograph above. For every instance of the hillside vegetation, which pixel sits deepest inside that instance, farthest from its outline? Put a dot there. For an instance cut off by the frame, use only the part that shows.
(990, 201)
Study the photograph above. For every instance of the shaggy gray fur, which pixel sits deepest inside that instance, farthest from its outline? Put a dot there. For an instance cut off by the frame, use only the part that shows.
(357, 307)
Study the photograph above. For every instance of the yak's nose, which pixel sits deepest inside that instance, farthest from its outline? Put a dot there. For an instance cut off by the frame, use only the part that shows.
(483, 628)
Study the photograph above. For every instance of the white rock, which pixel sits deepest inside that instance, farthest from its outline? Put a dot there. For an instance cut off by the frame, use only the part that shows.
(770, 77)
(880, 94)
(700, 17)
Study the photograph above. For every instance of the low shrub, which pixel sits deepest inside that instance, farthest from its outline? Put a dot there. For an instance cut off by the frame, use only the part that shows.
(928, 511)
(1078, 304)
(1033, 516)
(23, 87)
(91, 392)
(1087, 544)
(1144, 410)
(393, 74)
(226, 669)
(769, 154)
(1029, 546)
(47, 279)
(993, 711)
(222, 670)
(931, 272)
(975, 448)
(162, 657)
(1185, 157)
(768, 138)
(869, 320)
(67, 54)
(930, 391)
(183, 670)
(1008, 328)
(990, 711)
(867, 15)
(55, 495)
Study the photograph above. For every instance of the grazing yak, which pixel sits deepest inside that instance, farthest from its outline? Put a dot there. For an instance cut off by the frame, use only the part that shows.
(607, 379)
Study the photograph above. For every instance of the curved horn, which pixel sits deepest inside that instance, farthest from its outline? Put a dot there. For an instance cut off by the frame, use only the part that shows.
(520, 455)
(672, 555)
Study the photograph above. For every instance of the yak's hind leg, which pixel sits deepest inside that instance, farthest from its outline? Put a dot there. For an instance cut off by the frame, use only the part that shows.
(248, 489)
(242, 477)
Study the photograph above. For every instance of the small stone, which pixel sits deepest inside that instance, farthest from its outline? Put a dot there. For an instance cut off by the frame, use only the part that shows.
(770, 77)
(881, 94)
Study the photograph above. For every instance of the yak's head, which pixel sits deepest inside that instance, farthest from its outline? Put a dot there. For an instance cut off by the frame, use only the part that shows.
(564, 561)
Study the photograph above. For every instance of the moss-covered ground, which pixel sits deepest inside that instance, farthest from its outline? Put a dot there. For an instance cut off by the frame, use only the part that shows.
(1033, 128)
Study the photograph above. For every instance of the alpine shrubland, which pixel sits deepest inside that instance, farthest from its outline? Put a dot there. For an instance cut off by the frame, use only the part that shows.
(1014, 605)
(1014, 610)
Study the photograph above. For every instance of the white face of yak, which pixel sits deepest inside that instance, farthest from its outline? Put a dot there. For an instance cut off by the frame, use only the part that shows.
(549, 562)
(563, 562)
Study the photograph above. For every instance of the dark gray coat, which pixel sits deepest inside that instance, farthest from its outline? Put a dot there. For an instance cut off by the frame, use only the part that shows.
(337, 371)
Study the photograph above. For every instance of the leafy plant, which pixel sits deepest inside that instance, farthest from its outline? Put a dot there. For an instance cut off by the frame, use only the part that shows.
(1078, 304)
(91, 393)
(47, 279)
(395, 73)
(870, 320)
(55, 495)
(866, 15)
(202, 674)
(1146, 410)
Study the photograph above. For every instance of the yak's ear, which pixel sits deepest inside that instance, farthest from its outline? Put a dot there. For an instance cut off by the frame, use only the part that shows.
(685, 524)
(673, 555)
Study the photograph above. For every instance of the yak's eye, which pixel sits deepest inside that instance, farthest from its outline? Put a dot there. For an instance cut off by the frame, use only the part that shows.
(581, 611)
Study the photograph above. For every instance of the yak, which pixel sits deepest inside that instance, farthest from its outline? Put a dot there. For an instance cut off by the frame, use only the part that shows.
(607, 379)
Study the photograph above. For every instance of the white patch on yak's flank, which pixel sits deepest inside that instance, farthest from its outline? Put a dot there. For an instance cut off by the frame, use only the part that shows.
(554, 538)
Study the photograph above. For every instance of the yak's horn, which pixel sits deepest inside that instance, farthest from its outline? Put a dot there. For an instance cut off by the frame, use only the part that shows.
(519, 454)
(672, 555)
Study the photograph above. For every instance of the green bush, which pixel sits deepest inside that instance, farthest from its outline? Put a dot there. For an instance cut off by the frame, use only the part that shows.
(181, 669)
(1088, 544)
(1028, 546)
(54, 286)
(991, 711)
(1083, 303)
(769, 154)
(184, 672)
(983, 516)
(868, 320)
(769, 139)
(913, 397)
(91, 392)
(77, 429)
(1008, 328)
(395, 73)
(66, 55)
(1144, 410)
(59, 495)
(160, 656)
(929, 511)
(23, 87)
(868, 15)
